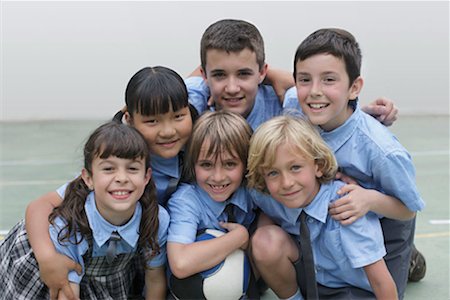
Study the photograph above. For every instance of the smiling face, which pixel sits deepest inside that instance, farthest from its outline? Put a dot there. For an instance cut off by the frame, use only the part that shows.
(292, 178)
(118, 184)
(233, 79)
(218, 175)
(166, 134)
(323, 90)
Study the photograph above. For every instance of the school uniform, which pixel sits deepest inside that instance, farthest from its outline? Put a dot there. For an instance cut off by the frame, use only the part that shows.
(166, 173)
(99, 280)
(266, 106)
(340, 252)
(192, 210)
(367, 151)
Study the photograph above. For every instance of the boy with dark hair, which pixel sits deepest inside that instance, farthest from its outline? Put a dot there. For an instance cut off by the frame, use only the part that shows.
(233, 69)
(327, 75)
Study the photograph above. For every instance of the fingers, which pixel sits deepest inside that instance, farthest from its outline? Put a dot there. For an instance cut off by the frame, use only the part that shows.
(53, 294)
(67, 290)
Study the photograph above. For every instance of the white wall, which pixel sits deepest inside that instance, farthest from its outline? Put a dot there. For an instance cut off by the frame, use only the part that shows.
(72, 60)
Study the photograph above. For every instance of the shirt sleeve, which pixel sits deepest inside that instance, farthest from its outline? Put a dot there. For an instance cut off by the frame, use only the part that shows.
(362, 241)
(198, 92)
(71, 250)
(184, 219)
(396, 174)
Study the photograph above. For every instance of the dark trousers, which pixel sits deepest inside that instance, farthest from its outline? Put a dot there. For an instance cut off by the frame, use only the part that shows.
(398, 240)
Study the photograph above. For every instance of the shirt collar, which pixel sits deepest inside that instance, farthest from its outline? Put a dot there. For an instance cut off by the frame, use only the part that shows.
(318, 208)
(166, 166)
(102, 229)
(238, 198)
(339, 136)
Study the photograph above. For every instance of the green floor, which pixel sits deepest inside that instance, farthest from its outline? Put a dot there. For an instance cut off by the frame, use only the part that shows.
(36, 157)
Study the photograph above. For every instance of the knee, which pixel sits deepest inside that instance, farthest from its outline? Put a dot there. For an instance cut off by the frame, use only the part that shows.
(267, 244)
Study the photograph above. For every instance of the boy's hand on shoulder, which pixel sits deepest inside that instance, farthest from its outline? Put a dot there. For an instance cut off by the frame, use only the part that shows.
(54, 271)
(351, 206)
(383, 109)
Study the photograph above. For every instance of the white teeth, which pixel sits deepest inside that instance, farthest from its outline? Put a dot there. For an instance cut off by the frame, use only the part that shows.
(317, 106)
(120, 193)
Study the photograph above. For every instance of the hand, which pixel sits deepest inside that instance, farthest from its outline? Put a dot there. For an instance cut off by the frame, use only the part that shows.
(210, 102)
(383, 109)
(352, 206)
(54, 273)
(280, 80)
(345, 178)
(237, 228)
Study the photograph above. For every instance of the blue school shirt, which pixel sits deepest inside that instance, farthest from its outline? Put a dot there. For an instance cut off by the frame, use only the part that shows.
(367, 151)
(340, 252)
(266, 106)
(163, 170)
(101, 232)
(191, 209)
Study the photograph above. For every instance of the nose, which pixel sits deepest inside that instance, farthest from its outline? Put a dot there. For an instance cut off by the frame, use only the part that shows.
(167, 130)
(121, 176)
(218, 174)
(286, 181)
(316, 89)
(232, 86)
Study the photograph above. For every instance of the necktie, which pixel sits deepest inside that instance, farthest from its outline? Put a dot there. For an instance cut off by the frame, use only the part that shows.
(111, 251)
(307, 258)
(229, 212)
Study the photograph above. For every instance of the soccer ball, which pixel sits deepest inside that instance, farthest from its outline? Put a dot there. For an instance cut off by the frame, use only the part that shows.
(227, 280)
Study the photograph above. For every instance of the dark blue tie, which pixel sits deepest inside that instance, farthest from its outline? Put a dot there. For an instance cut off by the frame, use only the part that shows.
(308, 259)
(112, 247)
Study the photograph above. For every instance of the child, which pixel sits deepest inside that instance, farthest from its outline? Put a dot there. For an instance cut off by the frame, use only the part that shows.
(288, 159)
(215, 167)
(327, 73)
(157, 106)
(113, 196)
(232, 70)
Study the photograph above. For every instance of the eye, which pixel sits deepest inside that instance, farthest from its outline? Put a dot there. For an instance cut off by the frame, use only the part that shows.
(107, 168)
(205, 164)
(245, 73)
(218, 75)
(179, 116)
(329, 80)
(271, 173)
(296, 168)
(303, 80)
(151, 121)
(230, 164)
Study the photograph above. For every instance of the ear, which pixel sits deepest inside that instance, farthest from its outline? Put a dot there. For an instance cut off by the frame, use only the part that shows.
(128, 118)
(148, 175)
(87, 178)
(356, 87)
(203, 72)
(318, 172)
(263, 73)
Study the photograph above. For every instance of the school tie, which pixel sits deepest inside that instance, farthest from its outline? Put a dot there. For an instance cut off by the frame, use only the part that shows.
(307, 258)
(112, 247)
(229, 211)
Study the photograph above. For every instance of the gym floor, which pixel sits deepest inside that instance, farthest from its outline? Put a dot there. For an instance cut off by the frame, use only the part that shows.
(37, 157)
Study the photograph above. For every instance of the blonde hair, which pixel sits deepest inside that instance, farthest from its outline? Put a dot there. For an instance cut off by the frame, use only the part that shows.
(300, 135)
(225, 131)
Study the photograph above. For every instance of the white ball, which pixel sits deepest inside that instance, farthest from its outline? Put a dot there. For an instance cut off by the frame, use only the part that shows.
(229, 279)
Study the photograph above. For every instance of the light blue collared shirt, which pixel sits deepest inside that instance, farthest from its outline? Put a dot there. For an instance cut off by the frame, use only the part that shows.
(266, 106)
(163, 170)
(340, 252)
(191, 209)
(367, 151)
(101, 232)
